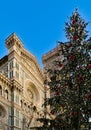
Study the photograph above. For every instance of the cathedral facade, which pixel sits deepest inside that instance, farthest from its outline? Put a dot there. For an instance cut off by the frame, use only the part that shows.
(21, 87)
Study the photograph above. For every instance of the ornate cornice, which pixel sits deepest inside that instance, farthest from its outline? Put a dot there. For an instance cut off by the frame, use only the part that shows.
(16, 84)
(11, 83)
(13, 39)
(4, 79)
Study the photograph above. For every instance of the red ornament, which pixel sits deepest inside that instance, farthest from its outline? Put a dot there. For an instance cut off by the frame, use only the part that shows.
(57, 93)
(75, 37)
(63, 124)
(62, 105)
(89, 96)
(72, 57)
(60, 65)
(74, 113)
(80, 78)
(66, 84)
(70, 45)
(52, 112)
(89, 66)
(73, 21)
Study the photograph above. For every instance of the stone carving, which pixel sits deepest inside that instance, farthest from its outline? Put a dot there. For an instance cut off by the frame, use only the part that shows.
(30, 94)
(27, 122)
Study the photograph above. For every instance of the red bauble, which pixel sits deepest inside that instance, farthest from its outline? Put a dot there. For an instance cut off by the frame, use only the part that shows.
(73, 21)
(70, 45)
(62, 105)
(72, 57)
(89, 96)
(63, 124)
(75, 37)
(57, 93)
(60, 65)
(89, 66)
(80, 78)
(74, 113)
(52, 112)
(66, 84)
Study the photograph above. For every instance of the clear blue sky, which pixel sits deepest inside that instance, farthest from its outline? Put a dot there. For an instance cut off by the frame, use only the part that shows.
(39, 23)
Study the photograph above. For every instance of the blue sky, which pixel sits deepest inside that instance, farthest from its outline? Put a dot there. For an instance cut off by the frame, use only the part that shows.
(39, 23)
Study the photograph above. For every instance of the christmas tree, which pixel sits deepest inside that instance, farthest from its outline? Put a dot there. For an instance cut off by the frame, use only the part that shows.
(69, 80)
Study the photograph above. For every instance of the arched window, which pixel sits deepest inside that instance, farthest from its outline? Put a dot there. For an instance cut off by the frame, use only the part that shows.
(2, 112)
(21, 103)
(25, 105)
(0, 90)
(28, 108)
(6, 94)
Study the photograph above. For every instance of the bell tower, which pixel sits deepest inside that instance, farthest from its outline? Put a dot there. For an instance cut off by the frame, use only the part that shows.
(13, 43)
(15, 47)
